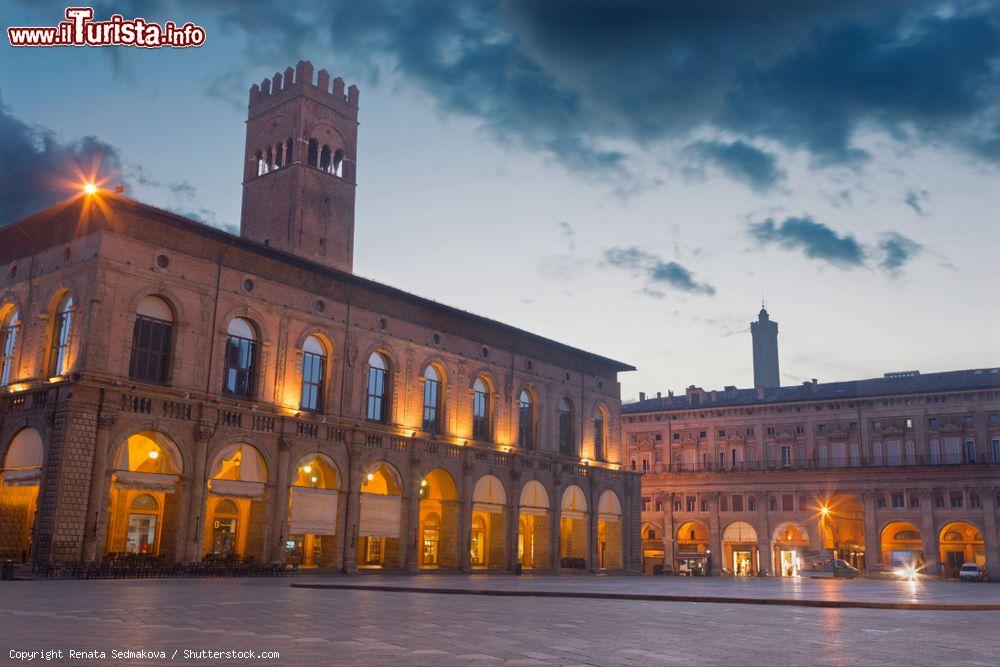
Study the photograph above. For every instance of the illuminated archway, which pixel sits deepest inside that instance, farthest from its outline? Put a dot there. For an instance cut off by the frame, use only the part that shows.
(379, 542)
(691, 551)
(313, 500)
(739, 549)
(20, 474)
(609, 531)
(790, 540)
(488, 537)
(574, 529)
(902, 546)
(144, 502)
(840, 518)
(438, 520)
(533, 527)
(238, 483)
(960, 542)
(653, 548)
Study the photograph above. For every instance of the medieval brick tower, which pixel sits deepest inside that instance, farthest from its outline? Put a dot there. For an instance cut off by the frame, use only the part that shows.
(299, 173)
(765, 351)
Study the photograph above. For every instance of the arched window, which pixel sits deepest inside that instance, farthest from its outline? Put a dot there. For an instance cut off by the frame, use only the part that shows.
(151, 341)
(432, 400)
(599, 434)
(337, 168)
(324, 158)
(313, 155)
(288, 150)
(261, 164)
(480, 410)
(566, 443)
(240, 374)
(376, 403)
(525, 421)
(313, 375)
(8, 338)
(62, 329)
(279, 156)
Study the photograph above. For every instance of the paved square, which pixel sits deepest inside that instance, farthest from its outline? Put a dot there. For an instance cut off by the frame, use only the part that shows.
(349, 627)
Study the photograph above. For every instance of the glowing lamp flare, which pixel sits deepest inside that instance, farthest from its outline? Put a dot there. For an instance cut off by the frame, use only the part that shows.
(90, 188)
(154, 455)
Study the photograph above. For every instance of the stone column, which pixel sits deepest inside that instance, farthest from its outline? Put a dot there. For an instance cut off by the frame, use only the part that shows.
(555, 529)
(988, 495)
(765, 554)
(928, 532)
(873, 542)
(464, 536)
(513, 516)
(352, 514)
(96, 501)
(631, 523)
(410, 530)
(715, 533)
(592, 519)
(202, 433)
(275, 548)
(667, 529)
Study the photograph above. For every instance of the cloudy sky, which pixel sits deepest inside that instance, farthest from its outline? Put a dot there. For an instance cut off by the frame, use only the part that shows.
(627, 177)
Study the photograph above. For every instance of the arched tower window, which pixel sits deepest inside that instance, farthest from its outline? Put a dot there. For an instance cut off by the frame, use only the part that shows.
(151, 341)
(324, 158)
(313, 375)
(480, 410)
(377, 398)
(288, 150)
(525, 421)
(599, 434)
(432, 400)
(566, 444)
(338, 163)
(240, 373)
(8, 338)
(313, 156)
(261, 164)
(279, 156)
(62, 329)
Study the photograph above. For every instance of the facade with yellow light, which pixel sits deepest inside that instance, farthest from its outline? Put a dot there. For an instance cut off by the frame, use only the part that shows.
(173, 391)
(895, 476)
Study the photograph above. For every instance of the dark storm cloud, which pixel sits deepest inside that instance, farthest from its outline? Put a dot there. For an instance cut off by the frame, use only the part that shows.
(661, 273)
(813, 239)
(740, 161)
(897, 251)
(590, 82)
(39, 170)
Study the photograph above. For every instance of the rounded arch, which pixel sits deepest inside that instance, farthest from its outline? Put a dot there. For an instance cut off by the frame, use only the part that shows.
(437, 363)
(574, 500)
(486, 377)
(651, 532)
(315, 470)
(566, 404)
(149, 451)
(242, 327)
(386, 351)
(609, 506)
(58, 293)
(534, 495)
(960, 531)
(489, 490)
(325, 133)
(739, 531)
(692, 533)
(239, 461)
(249, 313)
(790, 531)
(382, 478)
(320, 335)
(438, 484)
(26, 451)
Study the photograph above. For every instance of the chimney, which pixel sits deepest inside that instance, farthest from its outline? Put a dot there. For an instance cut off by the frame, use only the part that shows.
(670, 393)
(715, 395)
(642, 396)
(813, 384)
(760, 393)
(659, 395)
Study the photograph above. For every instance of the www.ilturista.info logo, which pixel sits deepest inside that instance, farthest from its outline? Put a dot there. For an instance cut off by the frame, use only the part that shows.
(81, 30)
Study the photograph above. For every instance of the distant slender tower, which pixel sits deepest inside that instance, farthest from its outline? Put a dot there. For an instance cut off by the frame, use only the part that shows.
(299, 176)
(765, 351)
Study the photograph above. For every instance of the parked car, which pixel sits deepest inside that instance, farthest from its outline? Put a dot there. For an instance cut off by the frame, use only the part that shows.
(971, 572)
(841, 568)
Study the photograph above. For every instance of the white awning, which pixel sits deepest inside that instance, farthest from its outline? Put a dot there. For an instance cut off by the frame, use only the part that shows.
(146, 481)
(314, 511)
(379, 515)
(236, 488)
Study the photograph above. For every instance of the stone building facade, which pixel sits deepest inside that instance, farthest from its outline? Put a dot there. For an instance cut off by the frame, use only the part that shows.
(885, 474)
(172, 389)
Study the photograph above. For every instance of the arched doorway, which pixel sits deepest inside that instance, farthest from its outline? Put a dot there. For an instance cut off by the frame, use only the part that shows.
(236, 505)
(609, 532)
(143, 510)
(960, 543)
(652, 549)
(841, 527)
(438, 520)
(20, 475)
(574, 533)
(312, 513)
(902, 546)
(739, 549)
(488, 538)
(790, 540)
(691, 556)
(533, 527)
(378, 525)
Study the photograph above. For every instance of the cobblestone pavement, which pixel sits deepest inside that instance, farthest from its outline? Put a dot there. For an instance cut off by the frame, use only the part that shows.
(309, 626)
